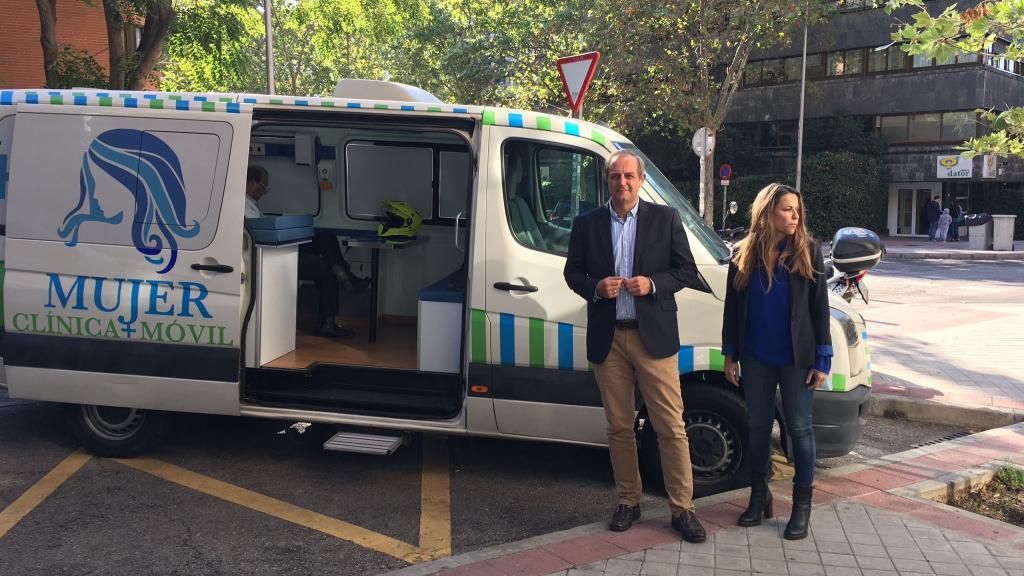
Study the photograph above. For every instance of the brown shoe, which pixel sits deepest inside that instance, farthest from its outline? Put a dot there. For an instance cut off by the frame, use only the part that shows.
(689, 526)
(623, 517)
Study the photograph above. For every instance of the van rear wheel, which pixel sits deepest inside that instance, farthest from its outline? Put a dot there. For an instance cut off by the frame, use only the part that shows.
(116, 432)
(717, 428)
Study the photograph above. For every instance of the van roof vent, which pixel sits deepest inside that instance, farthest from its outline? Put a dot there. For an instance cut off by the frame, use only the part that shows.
(381, 90)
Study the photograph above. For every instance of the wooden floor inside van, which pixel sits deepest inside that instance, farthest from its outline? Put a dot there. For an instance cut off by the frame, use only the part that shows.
(395, 346)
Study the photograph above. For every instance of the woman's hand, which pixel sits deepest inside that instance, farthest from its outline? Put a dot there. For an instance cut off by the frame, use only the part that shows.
(732, 371)
(814, 378)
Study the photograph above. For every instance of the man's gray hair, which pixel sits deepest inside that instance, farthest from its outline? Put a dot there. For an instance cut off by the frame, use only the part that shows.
(621, 154)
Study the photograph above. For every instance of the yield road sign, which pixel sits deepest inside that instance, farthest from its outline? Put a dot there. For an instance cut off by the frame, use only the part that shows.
(703, 142)
(576, 72)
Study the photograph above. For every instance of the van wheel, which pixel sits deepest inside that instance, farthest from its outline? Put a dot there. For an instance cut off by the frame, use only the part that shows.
(717, 427)
(116, 432)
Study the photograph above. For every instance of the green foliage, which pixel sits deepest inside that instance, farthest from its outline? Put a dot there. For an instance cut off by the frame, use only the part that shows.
(843, 189)
(1008, 199)
(77, 68)
(1011, 476)
(974, 30)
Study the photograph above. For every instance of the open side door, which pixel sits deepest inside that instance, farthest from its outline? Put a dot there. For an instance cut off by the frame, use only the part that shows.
(123, 255)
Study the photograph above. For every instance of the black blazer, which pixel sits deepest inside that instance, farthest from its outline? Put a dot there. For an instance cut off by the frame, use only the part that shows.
(661, 252)
(808, 313)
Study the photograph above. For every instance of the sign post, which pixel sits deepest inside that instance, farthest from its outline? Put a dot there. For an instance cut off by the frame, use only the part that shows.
(703, 145)
(577, 72)
(724, 174)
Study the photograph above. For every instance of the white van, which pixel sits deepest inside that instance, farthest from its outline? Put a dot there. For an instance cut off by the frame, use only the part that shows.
(133, 286)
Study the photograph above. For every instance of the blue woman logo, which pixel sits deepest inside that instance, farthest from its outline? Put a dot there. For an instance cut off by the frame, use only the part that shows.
(150, 170)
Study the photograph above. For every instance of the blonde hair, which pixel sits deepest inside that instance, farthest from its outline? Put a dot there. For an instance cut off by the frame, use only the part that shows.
(756, 248)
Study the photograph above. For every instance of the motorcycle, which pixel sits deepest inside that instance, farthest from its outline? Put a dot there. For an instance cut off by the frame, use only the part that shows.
(855, 251)
(731, 235)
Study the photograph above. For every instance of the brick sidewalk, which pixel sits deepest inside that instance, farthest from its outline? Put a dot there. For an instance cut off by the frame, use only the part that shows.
(869, 520)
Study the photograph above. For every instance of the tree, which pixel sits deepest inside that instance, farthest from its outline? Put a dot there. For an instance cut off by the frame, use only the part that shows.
(130, 68)
(678, 65)
(974, 30)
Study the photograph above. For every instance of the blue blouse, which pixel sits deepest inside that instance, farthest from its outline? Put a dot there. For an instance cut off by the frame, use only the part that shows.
(769, 335)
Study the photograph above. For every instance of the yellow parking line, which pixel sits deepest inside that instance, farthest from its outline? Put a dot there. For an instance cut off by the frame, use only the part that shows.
(41, 490)
(280, 509)
(435, 499)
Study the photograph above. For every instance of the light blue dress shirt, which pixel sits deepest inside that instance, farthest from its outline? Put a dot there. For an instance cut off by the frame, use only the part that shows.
(623, 243)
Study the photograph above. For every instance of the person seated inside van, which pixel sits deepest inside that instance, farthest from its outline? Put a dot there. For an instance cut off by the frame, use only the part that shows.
(320, 261)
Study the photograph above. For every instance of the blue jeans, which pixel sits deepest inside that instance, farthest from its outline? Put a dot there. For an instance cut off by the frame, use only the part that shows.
(759, 384)
(932, 228)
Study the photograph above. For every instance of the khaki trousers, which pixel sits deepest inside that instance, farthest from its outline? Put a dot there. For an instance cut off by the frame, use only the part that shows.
(627, 365)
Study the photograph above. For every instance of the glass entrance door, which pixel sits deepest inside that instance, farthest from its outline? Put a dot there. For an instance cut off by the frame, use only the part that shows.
(905, 201)
(912, 206)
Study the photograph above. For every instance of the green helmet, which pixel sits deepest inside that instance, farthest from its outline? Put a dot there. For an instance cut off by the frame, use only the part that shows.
(402, 220)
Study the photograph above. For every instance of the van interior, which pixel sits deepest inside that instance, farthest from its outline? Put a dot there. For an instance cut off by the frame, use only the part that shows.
(329, 174)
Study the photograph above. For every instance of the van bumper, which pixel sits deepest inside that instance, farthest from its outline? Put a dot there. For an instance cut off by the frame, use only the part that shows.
(839, 420)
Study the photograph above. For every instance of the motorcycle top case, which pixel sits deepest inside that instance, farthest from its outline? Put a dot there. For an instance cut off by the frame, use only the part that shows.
(856, 250)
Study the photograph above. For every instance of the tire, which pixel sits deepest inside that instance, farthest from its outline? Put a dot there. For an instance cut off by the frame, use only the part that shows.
(116, 432)
(717, 428)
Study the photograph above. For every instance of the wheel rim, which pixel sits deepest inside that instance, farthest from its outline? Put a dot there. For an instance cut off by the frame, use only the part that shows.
(112, 423)
(715, 451)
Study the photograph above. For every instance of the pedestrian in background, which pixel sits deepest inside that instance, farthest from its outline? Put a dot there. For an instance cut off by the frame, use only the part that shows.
(958, 219)
(944, 221)
(775, 333)
(628, 259)
(934, 210)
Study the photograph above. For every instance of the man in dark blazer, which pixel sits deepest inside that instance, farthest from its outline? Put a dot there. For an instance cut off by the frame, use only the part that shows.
(627, 259)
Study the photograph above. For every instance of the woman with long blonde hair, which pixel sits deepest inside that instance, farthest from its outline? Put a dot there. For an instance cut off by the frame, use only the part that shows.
(776, 327)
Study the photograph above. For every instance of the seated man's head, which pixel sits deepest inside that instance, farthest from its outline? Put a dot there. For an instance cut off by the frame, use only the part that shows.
(257, 182)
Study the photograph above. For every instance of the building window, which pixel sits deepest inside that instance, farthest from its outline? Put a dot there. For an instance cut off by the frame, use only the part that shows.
(793, 67)
(752, 74)
(897, 58)
(877, 60)
(926, 127)
(772, 72)
(836, 64)
(922, 61)
(893, 128)
(855, 61)
(958, 125)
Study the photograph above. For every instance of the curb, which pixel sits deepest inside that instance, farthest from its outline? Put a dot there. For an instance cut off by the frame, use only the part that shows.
(964, 255)
(922, 410)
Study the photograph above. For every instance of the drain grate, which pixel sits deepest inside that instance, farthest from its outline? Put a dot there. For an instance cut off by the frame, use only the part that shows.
(952, 436)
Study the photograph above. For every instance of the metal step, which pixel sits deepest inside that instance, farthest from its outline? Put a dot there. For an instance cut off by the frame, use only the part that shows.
(377, 444)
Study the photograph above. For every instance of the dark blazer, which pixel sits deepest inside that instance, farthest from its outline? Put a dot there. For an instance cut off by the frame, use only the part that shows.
(808, 313)
(934, 211)
(661, 252)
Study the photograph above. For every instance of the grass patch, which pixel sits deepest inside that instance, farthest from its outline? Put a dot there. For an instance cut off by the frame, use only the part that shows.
(1002, 498)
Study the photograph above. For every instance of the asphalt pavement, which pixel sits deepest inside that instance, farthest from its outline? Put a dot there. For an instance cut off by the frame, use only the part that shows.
(199, 503)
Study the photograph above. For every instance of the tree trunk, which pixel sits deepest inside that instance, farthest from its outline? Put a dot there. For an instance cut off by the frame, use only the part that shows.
(709, 187)
(48, 38)
(160, 17)
(115, 43)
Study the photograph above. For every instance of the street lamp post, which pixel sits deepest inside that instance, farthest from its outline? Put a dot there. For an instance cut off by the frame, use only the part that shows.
(800, 127)
(270, 46)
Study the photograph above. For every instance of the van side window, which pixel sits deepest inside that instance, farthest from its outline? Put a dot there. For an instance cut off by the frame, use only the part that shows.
(546, 187)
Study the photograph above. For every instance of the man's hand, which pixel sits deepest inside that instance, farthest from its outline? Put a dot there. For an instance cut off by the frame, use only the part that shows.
(815, 378)
(732, 371)
(609, 287)
(638, 285)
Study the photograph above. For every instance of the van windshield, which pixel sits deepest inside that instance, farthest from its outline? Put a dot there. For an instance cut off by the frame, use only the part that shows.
(697, 226)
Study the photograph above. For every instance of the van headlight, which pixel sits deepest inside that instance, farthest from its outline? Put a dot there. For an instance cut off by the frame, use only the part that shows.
(854, 344)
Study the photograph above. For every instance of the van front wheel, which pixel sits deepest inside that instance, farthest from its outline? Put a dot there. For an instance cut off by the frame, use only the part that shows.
(116, 432)
(717, 427)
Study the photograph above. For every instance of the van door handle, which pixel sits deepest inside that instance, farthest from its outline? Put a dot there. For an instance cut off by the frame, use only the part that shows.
(224, 268)
(509, 287)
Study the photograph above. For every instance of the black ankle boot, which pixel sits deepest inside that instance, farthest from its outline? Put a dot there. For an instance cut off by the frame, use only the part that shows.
(760, 503)
(800, 519)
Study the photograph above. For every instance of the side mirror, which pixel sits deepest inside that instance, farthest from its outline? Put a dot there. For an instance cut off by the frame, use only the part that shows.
(733, 207)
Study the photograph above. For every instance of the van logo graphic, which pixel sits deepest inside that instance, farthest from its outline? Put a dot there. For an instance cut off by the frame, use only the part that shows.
(148, 168)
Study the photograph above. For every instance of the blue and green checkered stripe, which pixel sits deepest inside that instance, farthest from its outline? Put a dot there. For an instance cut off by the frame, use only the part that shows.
(151, 101)
(545, 122)
(509, 340)
(382, 105)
